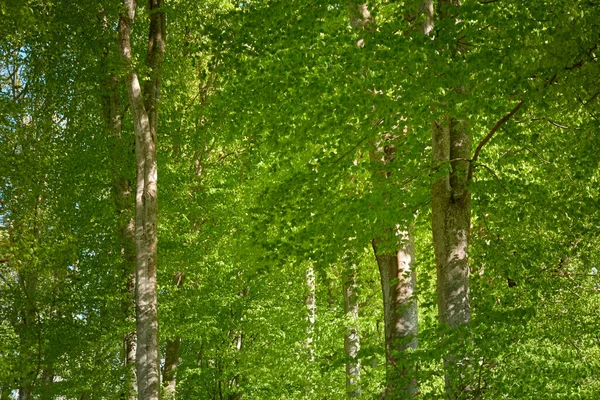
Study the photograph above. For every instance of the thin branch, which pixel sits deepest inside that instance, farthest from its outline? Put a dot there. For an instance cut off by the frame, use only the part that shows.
(351, 149)
(551, 80)
(357, 144)
(591, 98)
(495, 176)
(557, 125)
(489, 136)
(585, 103)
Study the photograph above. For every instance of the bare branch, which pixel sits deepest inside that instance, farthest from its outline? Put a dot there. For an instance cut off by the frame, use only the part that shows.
(558, 125)
(489, 136)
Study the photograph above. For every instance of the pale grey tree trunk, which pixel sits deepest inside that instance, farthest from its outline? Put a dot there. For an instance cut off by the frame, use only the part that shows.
(398, 283)
(351, 338)
(395, 257)
(144, 112)
(172, 355)
(394, 251)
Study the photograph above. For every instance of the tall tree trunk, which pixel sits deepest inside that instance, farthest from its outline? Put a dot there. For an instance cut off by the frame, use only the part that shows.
(351, 338)
(145, 119)
(398, 283)
(123, 200)
(398, 277)
(451, 223)
(47, 383)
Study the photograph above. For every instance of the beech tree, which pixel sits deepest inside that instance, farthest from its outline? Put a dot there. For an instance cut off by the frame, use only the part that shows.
(144, 111)
(465, 132)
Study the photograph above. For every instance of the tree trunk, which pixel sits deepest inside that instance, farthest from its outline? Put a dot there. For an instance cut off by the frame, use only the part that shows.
(351, 338)
(47, 383)
(170, 369)
(25, 393)
(451, 223)
(398, 283)
(311, 310)
(123, 200)
(172, 353)
(145, 118)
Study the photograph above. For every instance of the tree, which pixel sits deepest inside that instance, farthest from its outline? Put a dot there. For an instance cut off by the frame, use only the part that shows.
(144, 110)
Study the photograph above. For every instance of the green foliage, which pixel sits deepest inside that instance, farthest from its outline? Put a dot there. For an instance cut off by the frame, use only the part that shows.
(270, 121)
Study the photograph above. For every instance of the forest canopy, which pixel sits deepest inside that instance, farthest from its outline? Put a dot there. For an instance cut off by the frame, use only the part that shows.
(299, 199)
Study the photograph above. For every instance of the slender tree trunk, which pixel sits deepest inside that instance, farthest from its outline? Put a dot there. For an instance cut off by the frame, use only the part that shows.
(351, 338)
(394, 251)
(47, 383)
(172, 353)
(123, 199)
(145, 118)
(451, 221)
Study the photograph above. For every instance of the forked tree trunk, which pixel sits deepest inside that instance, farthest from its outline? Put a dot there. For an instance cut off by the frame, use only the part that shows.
(351, 338)
(451, 221)
(145, 119)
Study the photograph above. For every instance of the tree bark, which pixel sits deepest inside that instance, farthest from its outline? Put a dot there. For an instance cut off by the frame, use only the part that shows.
(451, 223)
(172, 354)
(123, 200)
(24, 393)
(170, 369)
(398, 283)
(351, 338)
(398, 277)
(145, 118)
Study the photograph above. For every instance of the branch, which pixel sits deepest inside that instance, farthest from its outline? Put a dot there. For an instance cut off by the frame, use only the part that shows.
(379, 122)
(591, 98)
(496, 177)
(557, 125)
(489, 136)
